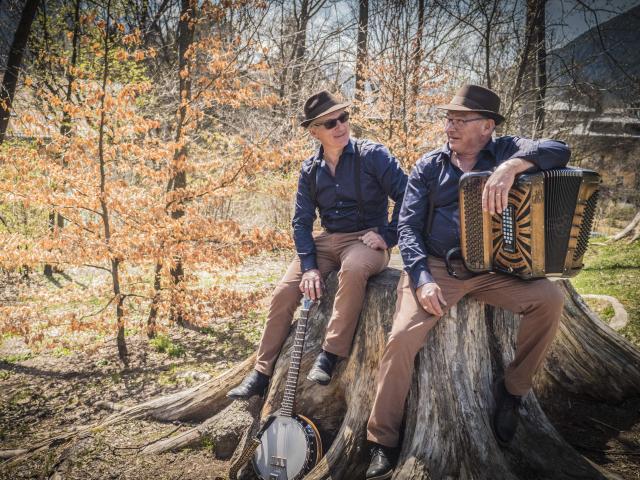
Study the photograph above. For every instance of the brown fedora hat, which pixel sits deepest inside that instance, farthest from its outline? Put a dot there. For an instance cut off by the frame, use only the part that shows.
(320, 104)
(474, 98)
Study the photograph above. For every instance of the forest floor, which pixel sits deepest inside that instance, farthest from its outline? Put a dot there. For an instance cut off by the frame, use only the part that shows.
(48, 391)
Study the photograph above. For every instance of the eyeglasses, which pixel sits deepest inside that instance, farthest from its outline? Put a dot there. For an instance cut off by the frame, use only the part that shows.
(329, 124)
(459, 122)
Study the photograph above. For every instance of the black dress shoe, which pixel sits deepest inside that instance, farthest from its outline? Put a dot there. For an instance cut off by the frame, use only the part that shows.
(323, 368)
(255, 383)
(505, 418)
(381, 464)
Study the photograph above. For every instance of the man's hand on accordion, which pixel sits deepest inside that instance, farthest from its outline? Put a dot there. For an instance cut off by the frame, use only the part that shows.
(430, 297)
(495, 196)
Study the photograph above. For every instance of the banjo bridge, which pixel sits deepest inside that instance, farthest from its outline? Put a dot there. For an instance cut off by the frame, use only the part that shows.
(278, 462)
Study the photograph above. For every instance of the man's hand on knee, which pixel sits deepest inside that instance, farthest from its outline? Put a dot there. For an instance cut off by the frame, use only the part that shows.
(373, 240)
(430, 297)
(311, 284)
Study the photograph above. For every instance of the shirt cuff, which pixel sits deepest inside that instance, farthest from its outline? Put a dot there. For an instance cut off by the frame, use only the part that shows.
(390, 237)
(420, 276)
(308, 262)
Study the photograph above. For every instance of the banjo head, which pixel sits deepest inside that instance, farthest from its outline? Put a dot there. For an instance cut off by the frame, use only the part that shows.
(290, 448)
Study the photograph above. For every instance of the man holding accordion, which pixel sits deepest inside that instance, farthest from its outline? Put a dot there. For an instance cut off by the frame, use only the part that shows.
(429, 230)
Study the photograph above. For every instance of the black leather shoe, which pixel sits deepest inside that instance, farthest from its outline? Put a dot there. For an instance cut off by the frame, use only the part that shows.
(255, 383)
(323, 368)
(381, 464)
(505, 418)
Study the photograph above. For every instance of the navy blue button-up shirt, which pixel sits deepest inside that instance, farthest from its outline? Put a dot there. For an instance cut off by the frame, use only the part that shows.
(414, 241)
(381, 177)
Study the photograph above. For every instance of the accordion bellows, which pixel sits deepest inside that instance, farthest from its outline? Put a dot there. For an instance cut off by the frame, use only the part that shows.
(544, 231)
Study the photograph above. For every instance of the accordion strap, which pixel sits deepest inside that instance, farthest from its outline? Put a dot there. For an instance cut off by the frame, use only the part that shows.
(457, 251)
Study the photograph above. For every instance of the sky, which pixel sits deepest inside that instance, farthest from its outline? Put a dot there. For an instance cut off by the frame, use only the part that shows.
(566, 19)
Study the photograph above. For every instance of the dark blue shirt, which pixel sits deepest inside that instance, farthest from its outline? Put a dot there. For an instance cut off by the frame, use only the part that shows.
(436, 168)
(381, 177)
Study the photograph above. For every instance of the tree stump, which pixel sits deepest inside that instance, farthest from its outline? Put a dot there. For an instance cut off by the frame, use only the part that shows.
(448, 416)
(447, 432)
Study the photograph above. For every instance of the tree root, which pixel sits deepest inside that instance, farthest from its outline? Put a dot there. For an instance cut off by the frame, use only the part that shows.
(223, 430)
(632, 228)
(194, 404)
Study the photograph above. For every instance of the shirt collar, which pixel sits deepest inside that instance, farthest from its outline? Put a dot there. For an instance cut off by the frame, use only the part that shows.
(490, 147)
(446, 150)
(484, 161)
(487, 156)
(348, 149)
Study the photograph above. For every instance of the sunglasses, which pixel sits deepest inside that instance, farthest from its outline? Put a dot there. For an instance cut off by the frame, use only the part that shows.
(329, 124)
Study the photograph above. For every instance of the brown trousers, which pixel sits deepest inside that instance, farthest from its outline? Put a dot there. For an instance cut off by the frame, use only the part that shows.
(539, 301)
(356, 263)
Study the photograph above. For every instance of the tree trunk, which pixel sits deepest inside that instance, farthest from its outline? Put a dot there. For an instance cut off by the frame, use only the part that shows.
(488, 18)
(14, 61)
(417, 62)
(104, 207)
(361, 54)
(56, 221)
(178, 181)
(523, 63)
(298, 52)
(153, 311)
(541, 67)
(447, 431)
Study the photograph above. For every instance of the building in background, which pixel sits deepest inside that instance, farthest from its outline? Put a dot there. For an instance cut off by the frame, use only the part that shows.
(593, 101)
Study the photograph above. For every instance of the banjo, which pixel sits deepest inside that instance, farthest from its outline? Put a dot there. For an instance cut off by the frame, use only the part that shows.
(290, 444)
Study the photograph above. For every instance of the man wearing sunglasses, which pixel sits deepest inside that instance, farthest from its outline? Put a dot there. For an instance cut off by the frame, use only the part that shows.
(349, 182)
(429, 228)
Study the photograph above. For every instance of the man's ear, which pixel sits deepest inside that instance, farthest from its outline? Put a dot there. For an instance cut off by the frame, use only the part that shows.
(490, 125)
(312, 132)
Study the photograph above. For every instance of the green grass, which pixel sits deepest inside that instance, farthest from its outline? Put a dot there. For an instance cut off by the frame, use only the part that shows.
(237, 338)
(94, 302)
(61, 351)
(169, 377)
(615, 270)
(607, 313)
(17, 358)
(207, 444)
(164, 344)
(22, 397)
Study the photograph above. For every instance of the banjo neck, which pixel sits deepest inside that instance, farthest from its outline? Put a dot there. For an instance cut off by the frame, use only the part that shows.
(289, 398)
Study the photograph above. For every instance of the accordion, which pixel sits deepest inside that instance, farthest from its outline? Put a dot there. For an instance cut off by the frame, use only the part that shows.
(544, 230)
